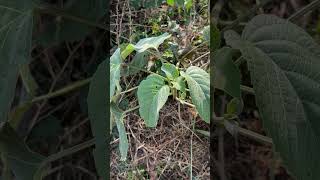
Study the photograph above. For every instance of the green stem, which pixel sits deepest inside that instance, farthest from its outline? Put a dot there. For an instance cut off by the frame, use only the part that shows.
(62, 91)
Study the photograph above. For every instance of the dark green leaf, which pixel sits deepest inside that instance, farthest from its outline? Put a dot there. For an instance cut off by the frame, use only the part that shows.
(15, 46)
(284, 64)
(98, 114)
(58, 29)
(226, 73)
(24, 163)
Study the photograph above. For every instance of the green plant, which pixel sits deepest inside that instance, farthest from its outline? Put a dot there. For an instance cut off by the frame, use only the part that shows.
(284, 64)
(153, 92)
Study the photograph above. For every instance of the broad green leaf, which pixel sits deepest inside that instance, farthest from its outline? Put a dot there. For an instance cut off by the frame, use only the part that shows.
(198, 82)
(127, 51)
(25, 164)
(15, 46)
(179, 84)
(115, 69)
(151, 42)
(139, 61)
(226, 73)
(137, 4)
(58, 29)
(152, 95)
(170, 70)
(118, 115)
(98, 114)
(170, 2)
(284, 64)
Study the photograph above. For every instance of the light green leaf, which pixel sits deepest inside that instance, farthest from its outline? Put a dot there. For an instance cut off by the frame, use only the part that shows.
(170, 2)
(98, 114)
(170, 70)
(152, 95)
(115, 69)
(180, 84)
(226, 73)
(127, 51)
(15, 46)
(188, 4)
(118, 115)
(198, 82)
(58, 29)
(284, 64)
(25, 164)
(151, 42)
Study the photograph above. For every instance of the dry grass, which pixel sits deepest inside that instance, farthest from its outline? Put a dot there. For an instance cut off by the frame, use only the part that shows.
(163, 152)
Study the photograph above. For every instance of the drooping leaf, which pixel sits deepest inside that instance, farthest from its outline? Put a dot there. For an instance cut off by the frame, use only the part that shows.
(118, 115)
(138, 61)
(151, 42)
(115, 69)
(152, 95)
(98, 114)
(226, 73)
(58, 28)
(198, 82)
(284, 64)
(15, 46)
(25, 164)
(170, 70)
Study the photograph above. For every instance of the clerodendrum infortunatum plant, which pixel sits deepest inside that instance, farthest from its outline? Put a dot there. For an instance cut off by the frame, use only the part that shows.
(284, 62)
(154, 91)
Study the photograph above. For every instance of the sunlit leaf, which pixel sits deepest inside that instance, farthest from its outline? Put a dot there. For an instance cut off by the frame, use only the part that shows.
(151, 42)
(170, 70)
